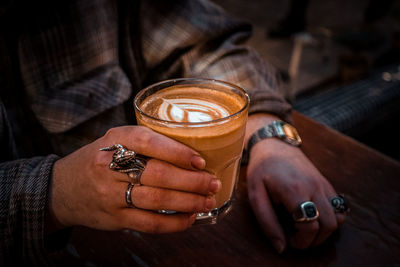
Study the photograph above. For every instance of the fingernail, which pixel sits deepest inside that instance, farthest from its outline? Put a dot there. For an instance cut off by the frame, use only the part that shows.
(198, 162)
(215, 185)
(210, 203)
(279, 246)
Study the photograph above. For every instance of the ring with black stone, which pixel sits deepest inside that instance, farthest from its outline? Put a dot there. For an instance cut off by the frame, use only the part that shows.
(305, 212)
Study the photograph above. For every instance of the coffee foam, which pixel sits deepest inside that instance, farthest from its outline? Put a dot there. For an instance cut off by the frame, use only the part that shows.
(191, 104)
(190, 110)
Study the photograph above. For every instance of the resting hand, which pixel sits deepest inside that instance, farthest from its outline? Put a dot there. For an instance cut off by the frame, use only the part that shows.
(86, 192)
(281, 175)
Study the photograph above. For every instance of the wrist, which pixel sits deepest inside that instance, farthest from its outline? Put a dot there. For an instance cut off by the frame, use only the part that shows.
(255, 122)
(52, 223)
(263, 127)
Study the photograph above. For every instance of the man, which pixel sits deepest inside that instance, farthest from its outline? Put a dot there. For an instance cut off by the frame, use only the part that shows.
(72, 70)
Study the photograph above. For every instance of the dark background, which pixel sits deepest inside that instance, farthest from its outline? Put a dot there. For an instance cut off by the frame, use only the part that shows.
(348, 76)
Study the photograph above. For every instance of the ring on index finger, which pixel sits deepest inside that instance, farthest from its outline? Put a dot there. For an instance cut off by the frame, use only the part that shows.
(127, 161)
(305, 212)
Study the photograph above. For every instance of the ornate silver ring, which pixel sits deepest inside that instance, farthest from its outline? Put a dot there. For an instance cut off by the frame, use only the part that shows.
(307, 211)
(127, 161)
(339, 204)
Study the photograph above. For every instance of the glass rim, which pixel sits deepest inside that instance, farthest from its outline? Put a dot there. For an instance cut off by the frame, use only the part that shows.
(208, 80)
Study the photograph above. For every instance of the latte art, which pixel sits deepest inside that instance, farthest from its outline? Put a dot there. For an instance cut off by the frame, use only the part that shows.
(191, 105)
(190, 110)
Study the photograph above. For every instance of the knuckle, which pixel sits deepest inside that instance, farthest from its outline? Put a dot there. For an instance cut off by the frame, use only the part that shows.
(144, 138)
(102, 191)
(300, 186)
(102, 198)
(294, 187)
(101, 160)
(110, 133)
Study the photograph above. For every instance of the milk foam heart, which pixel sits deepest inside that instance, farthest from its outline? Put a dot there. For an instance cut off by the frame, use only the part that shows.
(190, 110)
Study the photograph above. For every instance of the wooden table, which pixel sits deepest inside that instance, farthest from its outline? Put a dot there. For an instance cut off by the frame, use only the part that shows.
(369, 237)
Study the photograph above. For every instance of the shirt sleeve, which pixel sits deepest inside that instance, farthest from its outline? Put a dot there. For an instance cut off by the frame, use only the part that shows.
(198, 39)
(24, 192)
(24, 185)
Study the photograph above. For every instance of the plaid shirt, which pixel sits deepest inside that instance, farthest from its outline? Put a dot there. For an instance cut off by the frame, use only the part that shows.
(77, 65)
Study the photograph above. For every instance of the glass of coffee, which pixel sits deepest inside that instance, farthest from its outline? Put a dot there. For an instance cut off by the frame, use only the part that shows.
(207, 115)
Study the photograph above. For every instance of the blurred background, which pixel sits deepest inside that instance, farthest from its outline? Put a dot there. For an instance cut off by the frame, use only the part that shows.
(339, 61)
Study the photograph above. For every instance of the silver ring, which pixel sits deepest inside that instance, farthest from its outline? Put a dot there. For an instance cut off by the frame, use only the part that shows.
(307, 211)
(134, 176)
(124, 160)
(339, 204)
(128, 196)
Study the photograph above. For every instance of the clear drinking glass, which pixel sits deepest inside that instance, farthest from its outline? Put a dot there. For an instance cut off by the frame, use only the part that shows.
(207, 115)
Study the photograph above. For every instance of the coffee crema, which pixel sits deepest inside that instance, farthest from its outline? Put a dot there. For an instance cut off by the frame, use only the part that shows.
(190, 104)
(190, 110)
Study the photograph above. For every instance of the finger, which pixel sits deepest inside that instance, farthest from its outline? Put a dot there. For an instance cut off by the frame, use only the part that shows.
(340, 218)
(153, 198)
(330, 193)
(263, 209)
(152, 222)
(306, 231)
(327, 219)
(162, 174)
(144, 141)
(305, 234)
